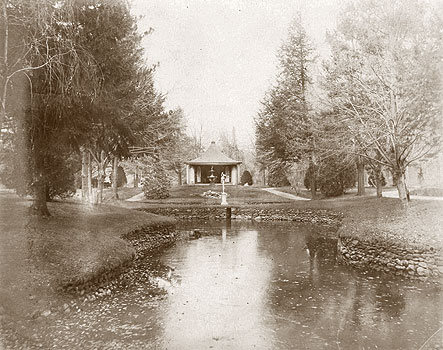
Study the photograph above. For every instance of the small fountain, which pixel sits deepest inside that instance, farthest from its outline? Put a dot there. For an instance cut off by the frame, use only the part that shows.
(211, 176)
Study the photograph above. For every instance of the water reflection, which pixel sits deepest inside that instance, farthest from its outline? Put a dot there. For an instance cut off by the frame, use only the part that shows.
(279, 286)
(222, 297)
(255, 285)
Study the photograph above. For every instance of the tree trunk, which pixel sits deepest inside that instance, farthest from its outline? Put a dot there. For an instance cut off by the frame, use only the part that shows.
(89, 170)
(313, 185)
(136, 177)
(114, 177)
(360, 177)
(5, 81)
(179, 173)
(101, 177)
(85, 188)
(401, 187)
(378, 181)
(39, 205)
(379, 187)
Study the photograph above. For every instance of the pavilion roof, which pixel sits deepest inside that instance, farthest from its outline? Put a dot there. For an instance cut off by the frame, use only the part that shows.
(213, 156)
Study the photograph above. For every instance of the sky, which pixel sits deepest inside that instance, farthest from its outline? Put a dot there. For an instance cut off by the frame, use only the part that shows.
(217, 58)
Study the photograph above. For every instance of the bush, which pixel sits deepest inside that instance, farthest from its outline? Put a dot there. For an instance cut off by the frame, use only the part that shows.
(121, 177)
(335, 176)
(61, 175)
(156, 182)
(246, 178)
(372, 179)
(61, 170)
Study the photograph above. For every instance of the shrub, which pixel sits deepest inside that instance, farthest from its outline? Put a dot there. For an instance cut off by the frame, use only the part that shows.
(60, 171)
(156, 182)
(246, 178)
(121, 177)
(335, 176)
(61, 175)
(372, 179)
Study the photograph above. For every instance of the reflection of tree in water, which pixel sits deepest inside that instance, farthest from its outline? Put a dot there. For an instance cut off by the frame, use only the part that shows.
(358, 304)
(389, 299)
(324, 249)
(309, 289)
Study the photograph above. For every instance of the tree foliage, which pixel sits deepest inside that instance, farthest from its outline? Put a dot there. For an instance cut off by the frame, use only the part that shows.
(333, 175)
(384, 82)
(85, 85)
(283, 125)
(156, 183)
(246, 178)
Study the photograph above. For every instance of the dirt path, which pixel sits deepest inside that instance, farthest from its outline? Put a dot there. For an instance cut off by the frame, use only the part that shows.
(285, 195)
(137, 198)
(394, 194)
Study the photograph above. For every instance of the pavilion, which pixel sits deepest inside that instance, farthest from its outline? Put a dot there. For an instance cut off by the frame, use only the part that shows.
(213, 161)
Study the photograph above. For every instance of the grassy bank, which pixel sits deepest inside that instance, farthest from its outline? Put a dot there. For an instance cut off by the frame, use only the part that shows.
(80, 241)
(365, 217)
(40, 255)
(193, 195)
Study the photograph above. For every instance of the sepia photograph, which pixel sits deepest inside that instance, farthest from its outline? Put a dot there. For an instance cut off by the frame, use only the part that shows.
(235, 174)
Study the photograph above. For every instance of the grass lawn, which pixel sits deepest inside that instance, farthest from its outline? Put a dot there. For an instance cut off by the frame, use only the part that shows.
(237, 195)
(370, 218)
(123, 193)
(37, 255)
(367, 217)
(75, 242)
(352, 192)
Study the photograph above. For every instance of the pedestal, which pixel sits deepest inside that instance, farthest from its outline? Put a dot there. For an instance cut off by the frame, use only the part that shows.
(223, 197)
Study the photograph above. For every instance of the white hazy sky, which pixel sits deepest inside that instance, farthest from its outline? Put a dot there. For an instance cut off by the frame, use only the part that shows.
(218, 58)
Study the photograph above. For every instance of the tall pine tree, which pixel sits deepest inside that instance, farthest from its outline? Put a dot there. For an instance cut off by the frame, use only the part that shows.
(283, 125)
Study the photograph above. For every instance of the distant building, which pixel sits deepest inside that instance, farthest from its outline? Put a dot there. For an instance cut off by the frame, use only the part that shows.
(213, 161)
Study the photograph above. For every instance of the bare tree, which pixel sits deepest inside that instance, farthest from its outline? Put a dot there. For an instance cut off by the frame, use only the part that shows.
(384, 83)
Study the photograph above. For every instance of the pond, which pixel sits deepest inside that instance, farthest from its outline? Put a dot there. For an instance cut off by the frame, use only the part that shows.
(252, 286)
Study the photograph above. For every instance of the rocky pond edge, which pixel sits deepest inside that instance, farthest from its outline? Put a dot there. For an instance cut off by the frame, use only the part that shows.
(354, 248)
(425, 263)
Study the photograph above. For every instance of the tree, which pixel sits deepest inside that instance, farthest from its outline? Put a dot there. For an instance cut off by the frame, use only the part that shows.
(384, 82)
(179, 147)
(156, 181)
(109, 32)
(284, 124)
(335, 175)
(246, 178)
(44, 56)
(229, 146)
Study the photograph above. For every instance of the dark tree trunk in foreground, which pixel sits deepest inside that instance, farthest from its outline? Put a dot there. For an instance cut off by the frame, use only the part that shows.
(115, 177)
(39, 205)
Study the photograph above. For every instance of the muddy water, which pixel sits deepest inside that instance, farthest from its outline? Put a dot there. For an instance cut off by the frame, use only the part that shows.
(250, 286)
